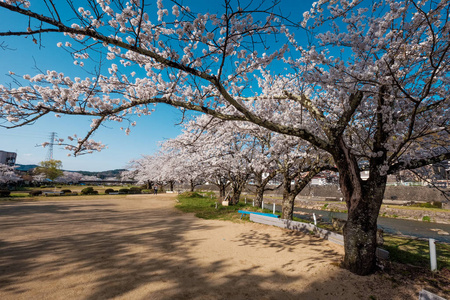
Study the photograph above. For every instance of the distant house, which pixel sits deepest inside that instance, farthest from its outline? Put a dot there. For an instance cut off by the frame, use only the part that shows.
(8, 158)
(319, 180)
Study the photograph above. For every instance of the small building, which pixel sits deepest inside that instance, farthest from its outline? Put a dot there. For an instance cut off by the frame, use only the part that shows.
(8, 158)
(319, 180)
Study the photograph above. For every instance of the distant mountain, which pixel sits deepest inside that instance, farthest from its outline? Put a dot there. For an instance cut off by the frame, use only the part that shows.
(25, 168)
(101, 175)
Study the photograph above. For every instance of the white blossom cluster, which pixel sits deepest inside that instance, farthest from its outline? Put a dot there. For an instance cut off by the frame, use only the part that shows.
(8, 174)
(228, 154)
(375, 75)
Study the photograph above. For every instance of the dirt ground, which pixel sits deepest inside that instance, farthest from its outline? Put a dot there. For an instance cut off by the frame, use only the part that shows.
(141, 247)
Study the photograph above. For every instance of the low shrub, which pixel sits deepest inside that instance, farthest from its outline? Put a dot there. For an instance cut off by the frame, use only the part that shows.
(35, 193)
(145, 191)
(89, 191)
(4, 193)
(108, 191)
(426, 219)
(134, 190)
(436, 204)
(66, 191)
(124, 191)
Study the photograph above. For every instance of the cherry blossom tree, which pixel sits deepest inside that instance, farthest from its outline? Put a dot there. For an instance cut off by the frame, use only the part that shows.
(7, 175)
(217, 150)
(39, 178)
(140, 170)
(297, 162)
(69, 177)
(370, 87)
(152, 170)
(186, 161)
(89, 177)
(261, 163)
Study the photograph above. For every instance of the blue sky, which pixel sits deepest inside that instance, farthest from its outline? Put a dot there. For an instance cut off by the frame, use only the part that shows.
(143, 139)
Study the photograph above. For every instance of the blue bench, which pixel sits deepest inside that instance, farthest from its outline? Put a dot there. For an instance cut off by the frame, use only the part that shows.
(244, 212)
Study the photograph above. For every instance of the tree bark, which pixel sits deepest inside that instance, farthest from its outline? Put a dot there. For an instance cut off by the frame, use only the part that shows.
(222, 188)
(192, 185)
(290, 192)
(259, 196)
(287, 208)
(238, 182)
(236, 195)
(261, 186)
(363, 199)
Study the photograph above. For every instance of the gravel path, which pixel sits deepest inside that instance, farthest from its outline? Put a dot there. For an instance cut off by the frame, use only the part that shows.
(141, 247)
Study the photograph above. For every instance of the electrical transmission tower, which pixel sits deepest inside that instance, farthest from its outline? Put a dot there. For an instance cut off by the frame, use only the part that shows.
(50, 146)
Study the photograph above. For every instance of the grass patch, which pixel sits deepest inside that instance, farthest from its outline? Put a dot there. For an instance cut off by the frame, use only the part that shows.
(426, 219)
(204, 206)
(421, 208)
(415, 252)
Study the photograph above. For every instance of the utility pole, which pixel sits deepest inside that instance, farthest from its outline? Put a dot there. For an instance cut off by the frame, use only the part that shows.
(50, 146)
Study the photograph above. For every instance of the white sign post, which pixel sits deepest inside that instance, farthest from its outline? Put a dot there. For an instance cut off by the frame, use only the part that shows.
(433, 260)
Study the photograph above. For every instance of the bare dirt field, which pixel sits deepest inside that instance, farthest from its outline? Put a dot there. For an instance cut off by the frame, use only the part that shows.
(141, 247)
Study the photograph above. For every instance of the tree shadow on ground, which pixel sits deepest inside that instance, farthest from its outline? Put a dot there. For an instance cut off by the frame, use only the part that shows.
(142, 254)
(13, 209)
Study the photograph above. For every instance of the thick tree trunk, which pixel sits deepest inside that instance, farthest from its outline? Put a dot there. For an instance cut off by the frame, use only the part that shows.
(287, 210)
(192, 185)
(261, 186)
(363, 199)
(171, 186)
(222, 188)
(238, 184)
(259, 196)
(360, 230)
(236, 195)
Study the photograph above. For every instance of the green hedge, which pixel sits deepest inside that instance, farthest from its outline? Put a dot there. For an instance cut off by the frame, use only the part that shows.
(89, 191)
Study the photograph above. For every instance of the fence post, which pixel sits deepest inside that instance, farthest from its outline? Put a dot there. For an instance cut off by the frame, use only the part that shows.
(274, 208)
(315, 220)
(245, 199)
(433, 260)
(262, 204)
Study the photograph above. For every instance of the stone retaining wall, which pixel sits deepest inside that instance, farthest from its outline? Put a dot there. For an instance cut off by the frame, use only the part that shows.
(408, 193)
(411, 214)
